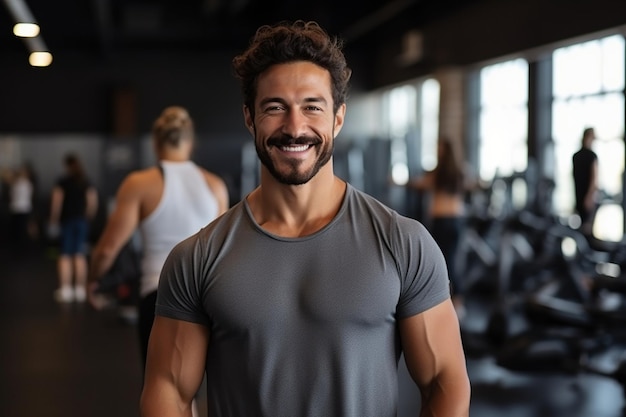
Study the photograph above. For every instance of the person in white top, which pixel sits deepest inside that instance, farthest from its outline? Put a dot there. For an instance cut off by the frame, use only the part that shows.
(166, 203)
(21, 206)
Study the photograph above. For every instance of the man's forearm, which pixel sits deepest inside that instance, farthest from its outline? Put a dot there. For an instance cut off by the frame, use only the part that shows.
(446, 400)
(159, 406)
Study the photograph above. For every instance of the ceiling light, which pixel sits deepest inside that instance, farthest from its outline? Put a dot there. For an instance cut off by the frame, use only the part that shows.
(26, 30)
(40, 59)
(26, 27)
(39, 54)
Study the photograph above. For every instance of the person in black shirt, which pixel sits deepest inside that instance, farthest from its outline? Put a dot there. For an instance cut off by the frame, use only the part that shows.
(74, 204)
(585, 171)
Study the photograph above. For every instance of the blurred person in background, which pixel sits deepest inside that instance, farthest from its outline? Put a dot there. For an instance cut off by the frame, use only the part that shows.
(21, 207)
(585, 173)
(74, 204)
(447, 185)
(166, 203)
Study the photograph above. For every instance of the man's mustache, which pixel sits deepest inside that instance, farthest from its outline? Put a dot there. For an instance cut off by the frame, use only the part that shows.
(288, 140)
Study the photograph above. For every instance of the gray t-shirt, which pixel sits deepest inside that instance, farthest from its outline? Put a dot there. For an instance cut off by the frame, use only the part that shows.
(304, 327)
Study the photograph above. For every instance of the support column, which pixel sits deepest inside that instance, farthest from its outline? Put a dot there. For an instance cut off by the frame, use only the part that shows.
(452, 105)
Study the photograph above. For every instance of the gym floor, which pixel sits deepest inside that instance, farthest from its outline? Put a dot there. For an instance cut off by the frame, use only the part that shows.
(71, 361)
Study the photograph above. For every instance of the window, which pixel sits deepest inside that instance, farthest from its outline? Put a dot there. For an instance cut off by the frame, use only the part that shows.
(588, 92)
(429, 105)
(503, 126)
(401, 117)
(413, 115)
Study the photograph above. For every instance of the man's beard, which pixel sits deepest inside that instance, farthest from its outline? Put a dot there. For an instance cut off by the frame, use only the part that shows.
(293, 175)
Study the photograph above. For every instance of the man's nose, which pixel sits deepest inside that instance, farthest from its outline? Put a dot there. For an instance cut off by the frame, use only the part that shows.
(294, 124)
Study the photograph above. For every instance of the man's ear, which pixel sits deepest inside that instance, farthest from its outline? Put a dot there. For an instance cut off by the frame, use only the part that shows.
(339, 118)
(247, 117)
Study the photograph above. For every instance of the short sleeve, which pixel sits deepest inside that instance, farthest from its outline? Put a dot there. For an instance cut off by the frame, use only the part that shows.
(179, 294)
(424, 274)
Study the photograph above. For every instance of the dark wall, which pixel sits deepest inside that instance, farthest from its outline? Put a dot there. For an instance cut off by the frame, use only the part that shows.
(492, 29)
(84, 94)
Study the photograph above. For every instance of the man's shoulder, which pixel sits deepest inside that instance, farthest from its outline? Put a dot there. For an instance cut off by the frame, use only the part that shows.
(360, 195)
(376, 208)
(368, 200)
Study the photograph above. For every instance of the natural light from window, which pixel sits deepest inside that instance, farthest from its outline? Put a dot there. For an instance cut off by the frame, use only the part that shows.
(413, 107)
(588, 92)
(429, 123)
(503, 131)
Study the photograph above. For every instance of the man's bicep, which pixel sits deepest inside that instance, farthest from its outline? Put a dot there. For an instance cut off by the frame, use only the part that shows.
(177, 352)
(431, 343)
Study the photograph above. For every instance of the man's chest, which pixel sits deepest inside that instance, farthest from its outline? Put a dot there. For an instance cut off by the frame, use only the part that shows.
(282, 284)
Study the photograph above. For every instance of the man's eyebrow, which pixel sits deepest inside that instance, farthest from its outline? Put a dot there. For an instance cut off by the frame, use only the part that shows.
(272, 100)
(315, 100)
(267, 100)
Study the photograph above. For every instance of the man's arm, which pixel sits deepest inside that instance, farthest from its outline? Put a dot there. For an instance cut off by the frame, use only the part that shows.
(431, 342)
(174, 367)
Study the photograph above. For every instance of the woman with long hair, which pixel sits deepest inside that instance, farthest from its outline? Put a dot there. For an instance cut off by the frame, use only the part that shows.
(447, 185)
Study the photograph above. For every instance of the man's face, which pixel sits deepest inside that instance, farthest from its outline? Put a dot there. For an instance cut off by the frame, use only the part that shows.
(294, 125)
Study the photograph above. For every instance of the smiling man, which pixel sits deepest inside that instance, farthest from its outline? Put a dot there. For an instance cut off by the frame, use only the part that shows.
(301, 298)
(300, 124)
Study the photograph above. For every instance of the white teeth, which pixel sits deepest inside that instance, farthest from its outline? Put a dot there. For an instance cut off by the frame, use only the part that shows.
(300, 148)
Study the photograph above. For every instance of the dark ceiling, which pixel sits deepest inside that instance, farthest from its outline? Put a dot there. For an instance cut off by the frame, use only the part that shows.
(108, 26)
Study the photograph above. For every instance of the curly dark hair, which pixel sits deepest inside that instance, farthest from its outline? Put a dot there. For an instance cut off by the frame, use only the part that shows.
(288, 42)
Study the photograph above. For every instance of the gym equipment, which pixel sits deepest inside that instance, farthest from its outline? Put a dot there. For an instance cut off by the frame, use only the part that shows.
(571, 322)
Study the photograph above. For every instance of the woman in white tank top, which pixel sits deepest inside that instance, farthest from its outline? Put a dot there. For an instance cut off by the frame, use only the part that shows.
(166, 203)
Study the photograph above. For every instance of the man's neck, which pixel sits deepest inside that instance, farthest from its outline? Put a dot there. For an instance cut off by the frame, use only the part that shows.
(297, 210)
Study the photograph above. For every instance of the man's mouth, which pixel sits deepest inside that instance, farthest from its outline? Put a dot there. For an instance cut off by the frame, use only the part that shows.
(295, 148)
